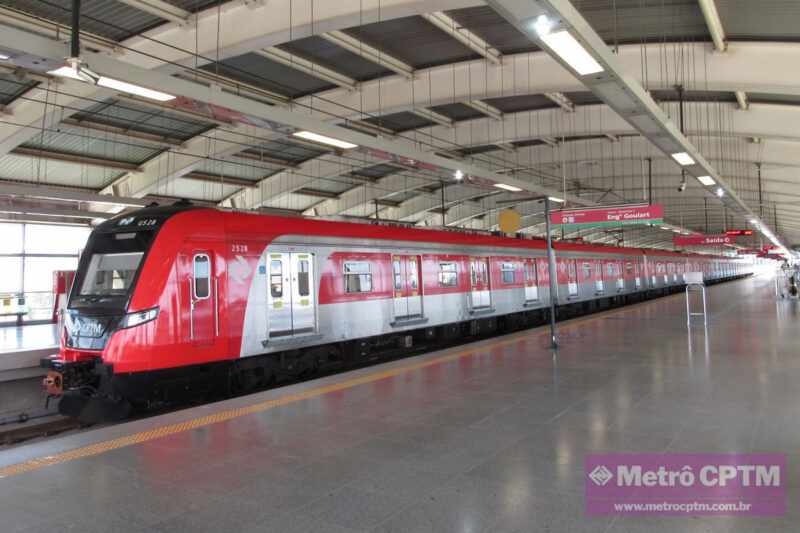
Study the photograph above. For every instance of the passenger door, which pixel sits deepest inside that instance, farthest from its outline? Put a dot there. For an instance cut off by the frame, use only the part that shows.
(200, 283)
(406, 281)
(531, 281)
(480, 292)
(291, 294)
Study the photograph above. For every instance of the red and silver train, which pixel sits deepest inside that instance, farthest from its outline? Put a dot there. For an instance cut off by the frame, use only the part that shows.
(173, 300)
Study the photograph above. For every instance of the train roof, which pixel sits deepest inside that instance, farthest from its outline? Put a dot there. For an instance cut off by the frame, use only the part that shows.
(242, 222)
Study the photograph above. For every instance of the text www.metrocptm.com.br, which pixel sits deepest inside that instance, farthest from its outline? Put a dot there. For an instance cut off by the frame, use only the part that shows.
(683, 507)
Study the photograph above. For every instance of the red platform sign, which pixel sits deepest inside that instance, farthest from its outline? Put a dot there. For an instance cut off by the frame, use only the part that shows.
(739, 232)
(702, 240)
(610, 216)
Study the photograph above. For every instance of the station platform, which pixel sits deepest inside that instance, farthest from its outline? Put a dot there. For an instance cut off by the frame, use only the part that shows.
(21, 347)
(486, 437)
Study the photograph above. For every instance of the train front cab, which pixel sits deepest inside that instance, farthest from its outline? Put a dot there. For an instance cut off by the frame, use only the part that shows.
(145, 297)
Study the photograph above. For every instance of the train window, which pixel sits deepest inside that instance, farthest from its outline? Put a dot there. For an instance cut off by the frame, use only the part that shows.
(110, 274)
(357, 277)
(448, 275)
(507, 273)
(610, 269)
(202, 276)
(276, 278)
(628, 267)
(530, 273)
(587, 271)
(302, 277)
(412, 274)
(398, 275)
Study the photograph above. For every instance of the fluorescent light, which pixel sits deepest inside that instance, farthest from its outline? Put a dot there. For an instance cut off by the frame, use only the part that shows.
(571, 51)
(69, 71)
(706, 180)
(556, 199)
(542, 25)
(507, 187)
(138, 90)
(720, 192)
(66, 72)
(458, 175)
(753, 221)
(322, 139)
(4, 57)
(683, 158)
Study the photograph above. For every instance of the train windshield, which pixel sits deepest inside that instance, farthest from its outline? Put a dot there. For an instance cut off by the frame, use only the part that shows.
(108, 269)
(110, 274)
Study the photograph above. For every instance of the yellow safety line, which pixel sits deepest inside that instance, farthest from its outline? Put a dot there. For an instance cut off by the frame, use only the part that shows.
(222, 416)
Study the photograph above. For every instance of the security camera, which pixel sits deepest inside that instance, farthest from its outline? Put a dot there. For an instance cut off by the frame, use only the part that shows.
(682, 186)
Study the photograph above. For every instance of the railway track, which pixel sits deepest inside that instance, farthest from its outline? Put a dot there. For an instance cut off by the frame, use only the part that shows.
(24, 426)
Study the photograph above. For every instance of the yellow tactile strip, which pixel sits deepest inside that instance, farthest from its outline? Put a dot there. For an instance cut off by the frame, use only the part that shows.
(163, 431)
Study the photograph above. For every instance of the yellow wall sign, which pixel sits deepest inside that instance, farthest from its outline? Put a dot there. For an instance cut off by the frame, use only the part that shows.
(509, 220)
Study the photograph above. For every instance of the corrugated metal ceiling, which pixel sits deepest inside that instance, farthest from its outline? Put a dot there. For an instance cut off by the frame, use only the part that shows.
(285, 150)
(142, 118)
(457, 111)
(429, 45)
(633, 21)
(107, 18)
(33, 169)
(262, 72)
(327, 54)
(78, 141)
(11, 88)
(399, 122)
(760, 19)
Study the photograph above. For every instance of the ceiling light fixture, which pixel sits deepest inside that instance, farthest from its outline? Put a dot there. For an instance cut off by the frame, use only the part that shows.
(571, 51)
(323, 139)
(556, 199)
(76, 71)
(683, 158)
(542, 25)
(458, 175)
(137, 90)
(507, 187)
(706, 180)
(4, 57)
(720, 192)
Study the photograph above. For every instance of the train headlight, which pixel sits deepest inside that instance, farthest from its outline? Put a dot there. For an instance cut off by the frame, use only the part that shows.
(138, 318)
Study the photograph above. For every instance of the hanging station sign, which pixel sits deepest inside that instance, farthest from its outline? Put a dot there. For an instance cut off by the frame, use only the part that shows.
(739, 232)
(702, 240)
(609, 216)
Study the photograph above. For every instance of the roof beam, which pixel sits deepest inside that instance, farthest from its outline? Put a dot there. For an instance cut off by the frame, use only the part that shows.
(170, 165)
(47, 192)
(561, 100)
(126, 132)
(161, 9)
(64, 212)
(754, 67)
(308, 67)
(486, 109)
(220, 179)
(711, 15)
(75, 158)
(463, 35)
(370, 53)
(433, 116)
(281, 184)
